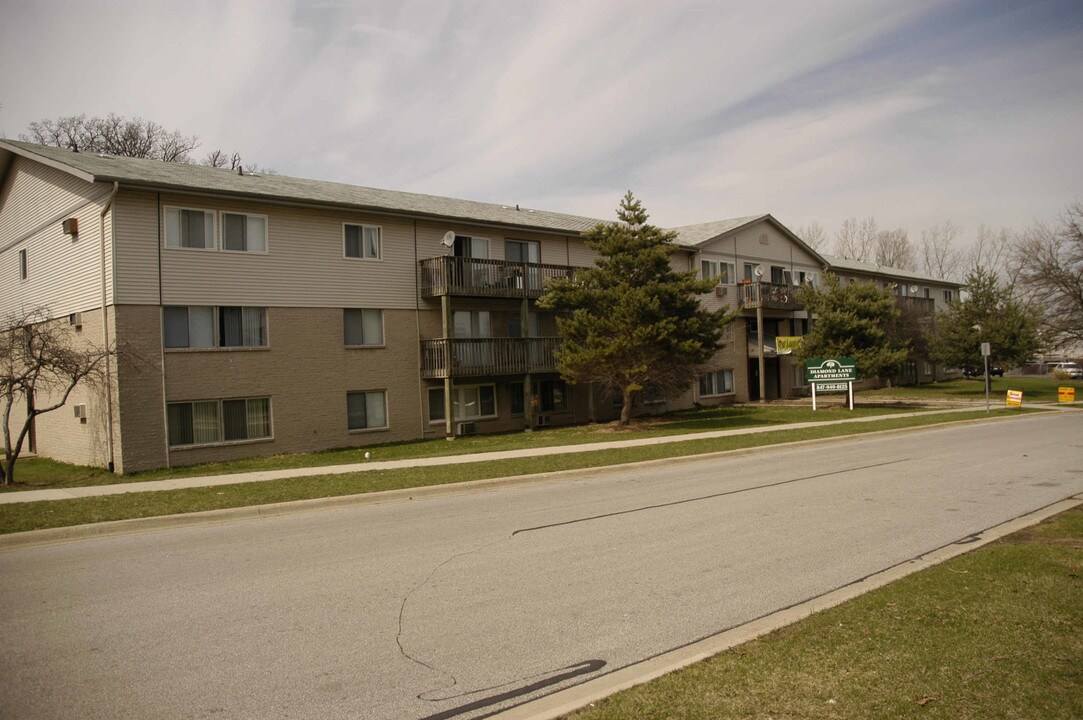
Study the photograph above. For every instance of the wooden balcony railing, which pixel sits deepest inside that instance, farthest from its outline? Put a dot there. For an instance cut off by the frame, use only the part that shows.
(770, 296)
(472, 357)
(924, 307)
(477, 277)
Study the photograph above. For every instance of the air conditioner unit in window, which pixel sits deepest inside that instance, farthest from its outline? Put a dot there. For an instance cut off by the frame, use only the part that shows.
(80, 413)
(466, 428)
(76, 320)
(721, 291)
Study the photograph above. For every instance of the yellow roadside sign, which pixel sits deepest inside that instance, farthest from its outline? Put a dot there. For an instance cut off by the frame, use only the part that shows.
(1066, 394)
(1015, 398)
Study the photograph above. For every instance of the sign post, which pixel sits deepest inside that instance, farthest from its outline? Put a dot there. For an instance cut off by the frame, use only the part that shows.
(831, 375)
(985, 351)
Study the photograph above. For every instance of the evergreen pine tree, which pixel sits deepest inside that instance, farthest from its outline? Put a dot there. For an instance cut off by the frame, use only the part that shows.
(633, 322)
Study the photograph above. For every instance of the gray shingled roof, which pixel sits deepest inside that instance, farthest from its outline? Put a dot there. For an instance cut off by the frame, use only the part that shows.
(847, 265)
(176, 176)
(692, 235)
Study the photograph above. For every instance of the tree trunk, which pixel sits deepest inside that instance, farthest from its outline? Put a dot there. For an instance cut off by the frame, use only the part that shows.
(626, 409)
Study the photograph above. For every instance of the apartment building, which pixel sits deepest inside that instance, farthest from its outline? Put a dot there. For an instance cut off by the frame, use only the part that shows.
(262, 314)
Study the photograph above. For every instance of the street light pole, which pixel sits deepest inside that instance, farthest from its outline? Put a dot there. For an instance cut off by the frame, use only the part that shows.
(985, 349)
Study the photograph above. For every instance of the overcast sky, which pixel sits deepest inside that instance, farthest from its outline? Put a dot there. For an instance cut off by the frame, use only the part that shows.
(913, 112)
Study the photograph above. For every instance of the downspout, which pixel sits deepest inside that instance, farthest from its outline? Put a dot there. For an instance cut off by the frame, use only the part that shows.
(105, 330)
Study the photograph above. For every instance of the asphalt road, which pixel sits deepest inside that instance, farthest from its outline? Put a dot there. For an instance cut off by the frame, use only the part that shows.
(457, 606)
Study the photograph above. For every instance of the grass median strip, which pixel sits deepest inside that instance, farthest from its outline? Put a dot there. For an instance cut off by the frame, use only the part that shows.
(61, 513)
(991, 634)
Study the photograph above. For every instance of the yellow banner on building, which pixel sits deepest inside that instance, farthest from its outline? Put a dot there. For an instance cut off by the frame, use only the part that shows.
(786, 344)
(1015, 398)
(1066, 394)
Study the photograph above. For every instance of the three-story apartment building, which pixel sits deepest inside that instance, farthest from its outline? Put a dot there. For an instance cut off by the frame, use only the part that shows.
(261, 314)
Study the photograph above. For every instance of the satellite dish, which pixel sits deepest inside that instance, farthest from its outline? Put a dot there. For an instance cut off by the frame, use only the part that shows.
(759, 271)
(449, 239)
(913, 289)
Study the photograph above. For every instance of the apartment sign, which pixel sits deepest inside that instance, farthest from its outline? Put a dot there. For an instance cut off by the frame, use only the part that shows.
(831, 370)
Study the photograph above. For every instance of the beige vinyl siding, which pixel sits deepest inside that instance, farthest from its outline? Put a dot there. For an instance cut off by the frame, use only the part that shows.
(33, 193)
(579, 255)
(136, 216)
(304, 265)
(64, 273)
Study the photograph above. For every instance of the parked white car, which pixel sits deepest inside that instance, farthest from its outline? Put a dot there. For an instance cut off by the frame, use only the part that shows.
(1072, 369)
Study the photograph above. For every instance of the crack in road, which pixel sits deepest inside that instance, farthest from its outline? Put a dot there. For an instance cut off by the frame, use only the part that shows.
(705, 497)
(586, 667)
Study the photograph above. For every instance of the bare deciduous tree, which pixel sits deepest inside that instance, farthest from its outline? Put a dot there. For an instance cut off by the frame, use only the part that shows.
(39, 358)
(893, 249)
(856, 239)
(814, 235)
(128, 137)
(1051, 275)
(939, 256)
(993, 251)
(114, 135)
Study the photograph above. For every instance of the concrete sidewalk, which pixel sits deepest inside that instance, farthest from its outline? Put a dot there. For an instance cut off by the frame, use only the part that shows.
(263, 475)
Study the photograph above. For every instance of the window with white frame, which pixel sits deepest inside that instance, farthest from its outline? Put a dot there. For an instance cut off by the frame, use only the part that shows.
(207, 422)
(719, 382)
(361, 241)
(24, 265)
(722, 272)
(366, 410)
(189, 228)
(204, 326)
(522, 251)
(471, 402)
(244, 233)
(949, 296)
(362, 326)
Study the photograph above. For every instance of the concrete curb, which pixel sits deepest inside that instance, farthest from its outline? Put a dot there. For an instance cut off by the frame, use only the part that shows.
(111, 528)
(565, 701)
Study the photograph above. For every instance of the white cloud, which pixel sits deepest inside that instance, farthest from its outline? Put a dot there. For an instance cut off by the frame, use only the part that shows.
(913, 112)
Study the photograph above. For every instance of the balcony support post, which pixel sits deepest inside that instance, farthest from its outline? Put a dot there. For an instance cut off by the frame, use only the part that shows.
(759, 353)
(528, 403)
(449, 352)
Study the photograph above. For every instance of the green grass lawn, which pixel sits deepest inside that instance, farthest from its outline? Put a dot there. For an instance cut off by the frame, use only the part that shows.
(1035, 389)
(996, 633)
(18, 517)
(38, 473)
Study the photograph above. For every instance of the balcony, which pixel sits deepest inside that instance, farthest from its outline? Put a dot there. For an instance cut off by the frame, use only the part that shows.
(474, 357)
(769, 296)
(922, 307)
(478, 277)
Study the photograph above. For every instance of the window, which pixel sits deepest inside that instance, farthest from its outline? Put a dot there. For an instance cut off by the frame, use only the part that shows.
(244, 233)
(213, 421)
(199, 326)
(362, 327)
(548, 396)
(522, 251)
(949, 296)
(716, 383)
(926, 293)
(366, 410)
(470, 247)
(362, 241)
(471, 402)
(750, 272)
(781, 276)
(24, 265)
(723, 271)
(472, 324)
(189, 228)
